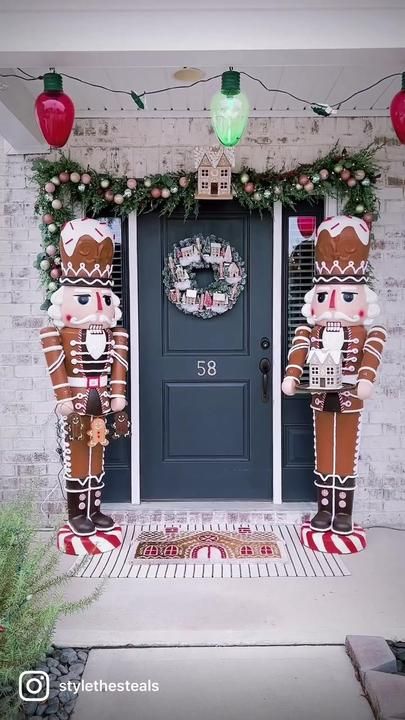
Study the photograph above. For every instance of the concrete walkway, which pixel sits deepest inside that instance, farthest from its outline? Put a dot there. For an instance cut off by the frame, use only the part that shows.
(263, 611)
(280, 683)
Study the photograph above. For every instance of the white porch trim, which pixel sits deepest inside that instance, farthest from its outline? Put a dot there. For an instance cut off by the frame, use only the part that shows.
(134, 345)
(276, 355)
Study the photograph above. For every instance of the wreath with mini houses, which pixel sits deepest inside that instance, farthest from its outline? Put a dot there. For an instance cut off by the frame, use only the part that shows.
(67, 190)
(204, 253)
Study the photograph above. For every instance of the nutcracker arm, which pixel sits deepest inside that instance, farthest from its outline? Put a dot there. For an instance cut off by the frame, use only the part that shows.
(298, 353)
(119, 368)
(52, 346)
(372, 354)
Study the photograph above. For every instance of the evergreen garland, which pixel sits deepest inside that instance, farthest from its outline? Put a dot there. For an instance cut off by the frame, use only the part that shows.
(76, 192)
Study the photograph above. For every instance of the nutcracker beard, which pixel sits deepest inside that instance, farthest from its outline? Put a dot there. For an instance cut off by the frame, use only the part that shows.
(337, 437)
(83, 459)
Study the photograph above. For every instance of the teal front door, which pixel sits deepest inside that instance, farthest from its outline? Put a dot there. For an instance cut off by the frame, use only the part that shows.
(205, 385)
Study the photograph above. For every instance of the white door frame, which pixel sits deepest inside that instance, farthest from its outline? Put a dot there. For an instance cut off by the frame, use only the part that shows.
(330, 209)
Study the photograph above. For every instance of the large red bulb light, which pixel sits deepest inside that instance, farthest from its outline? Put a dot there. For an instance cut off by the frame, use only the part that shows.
(55, 111)
(397, 112)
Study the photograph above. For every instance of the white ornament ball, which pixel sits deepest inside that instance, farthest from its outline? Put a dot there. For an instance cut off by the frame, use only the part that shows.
(44, 264)
(52, 228)
(55, 180)
(257, 196)
(127, 193)
(56, 204)
(147, 182)
(52, 286)
(51, 250)
(105, 183)
(118, 199)
(174, 189)
(359, 174)
(359, 209)
(298, 186)
(75, 177)
(57, 260)
(81, 187)
(244, 178)
(165, 193)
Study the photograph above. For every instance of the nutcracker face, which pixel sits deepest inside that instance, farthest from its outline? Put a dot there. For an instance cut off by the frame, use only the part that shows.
(80, 307)
(350, 304)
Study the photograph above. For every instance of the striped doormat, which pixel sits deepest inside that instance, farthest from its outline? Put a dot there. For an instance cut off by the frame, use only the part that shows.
(296, 560)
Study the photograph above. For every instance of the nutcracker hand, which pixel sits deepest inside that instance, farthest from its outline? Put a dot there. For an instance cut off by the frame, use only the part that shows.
(65, 408)
(289, 386)
(118, 404)
(364, 389)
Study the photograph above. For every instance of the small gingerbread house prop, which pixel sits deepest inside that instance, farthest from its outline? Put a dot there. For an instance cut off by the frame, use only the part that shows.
(325, 369)
(214, 169)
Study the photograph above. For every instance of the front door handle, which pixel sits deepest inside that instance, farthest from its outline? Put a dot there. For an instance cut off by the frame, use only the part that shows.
(264, 367)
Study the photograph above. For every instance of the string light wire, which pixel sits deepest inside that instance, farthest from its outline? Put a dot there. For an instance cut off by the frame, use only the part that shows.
(137, 96)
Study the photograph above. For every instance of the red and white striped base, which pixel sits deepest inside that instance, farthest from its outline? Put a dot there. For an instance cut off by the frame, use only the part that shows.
(331, 542)
(96, 544)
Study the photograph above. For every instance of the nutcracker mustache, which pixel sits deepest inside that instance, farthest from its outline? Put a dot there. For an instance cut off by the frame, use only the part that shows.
(335, 315)
(94, 317)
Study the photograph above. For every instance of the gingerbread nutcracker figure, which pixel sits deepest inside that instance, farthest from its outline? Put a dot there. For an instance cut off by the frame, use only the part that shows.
(346, 354)
(87, 358)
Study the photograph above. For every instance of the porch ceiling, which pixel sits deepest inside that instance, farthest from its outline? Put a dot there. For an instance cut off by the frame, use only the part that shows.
(319, 51)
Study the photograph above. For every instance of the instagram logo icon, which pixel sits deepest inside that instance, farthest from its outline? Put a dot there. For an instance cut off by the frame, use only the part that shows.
(33, 686)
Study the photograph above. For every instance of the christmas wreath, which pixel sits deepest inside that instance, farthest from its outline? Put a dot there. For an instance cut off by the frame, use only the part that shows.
(203, 253)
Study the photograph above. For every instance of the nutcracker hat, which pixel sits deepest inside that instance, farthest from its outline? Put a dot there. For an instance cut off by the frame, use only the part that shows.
(86, 250)
(342, 247)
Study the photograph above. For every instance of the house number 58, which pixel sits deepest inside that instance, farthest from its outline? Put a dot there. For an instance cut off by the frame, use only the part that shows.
(206, 367)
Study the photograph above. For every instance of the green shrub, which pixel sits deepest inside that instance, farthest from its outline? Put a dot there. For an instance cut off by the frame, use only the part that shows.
(31, 597)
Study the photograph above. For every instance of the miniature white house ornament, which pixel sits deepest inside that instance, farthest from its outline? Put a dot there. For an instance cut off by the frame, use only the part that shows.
(203, 253)
(214, 172)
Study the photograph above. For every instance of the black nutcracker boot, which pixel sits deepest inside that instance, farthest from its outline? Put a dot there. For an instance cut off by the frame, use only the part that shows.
(322, 521)
(101, 521)
(78, 504)
(343, 521)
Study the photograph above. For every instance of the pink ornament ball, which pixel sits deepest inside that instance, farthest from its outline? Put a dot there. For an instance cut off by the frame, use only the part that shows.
(165, 193)
(249, 188)
(51, 250)
(303, 180)
(345, 174)
(118, 199)
(56, 273)
(131, 183)
(86, 179)
(64, 177)
(156, 193)
(368, 217)
(324, 174)
(109, 195)
(184, 181)
(47, 219)
(352, 182)
(75, 177)
(309, 186)
(50, 187)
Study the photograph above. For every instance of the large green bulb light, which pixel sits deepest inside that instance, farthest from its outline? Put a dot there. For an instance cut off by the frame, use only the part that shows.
(229, 110)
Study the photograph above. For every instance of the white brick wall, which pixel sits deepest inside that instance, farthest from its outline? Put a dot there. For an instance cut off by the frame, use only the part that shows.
(138, 147)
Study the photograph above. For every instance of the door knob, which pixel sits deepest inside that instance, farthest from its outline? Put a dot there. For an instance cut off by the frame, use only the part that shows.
(264, 367)
(265, 343)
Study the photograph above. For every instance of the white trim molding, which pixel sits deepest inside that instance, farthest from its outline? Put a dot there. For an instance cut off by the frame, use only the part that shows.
(276, 354)
(134, 345)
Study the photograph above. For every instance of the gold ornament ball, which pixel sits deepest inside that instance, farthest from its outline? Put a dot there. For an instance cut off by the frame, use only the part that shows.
(309, 186)
(338, 168)
(298, 186)
(359, 209)
(75, 177)
(244, 178)
(165, 193)
(105, 183)
(359, 174)
(257, 196)
(118, 199)
(184, 181)
(147, 182)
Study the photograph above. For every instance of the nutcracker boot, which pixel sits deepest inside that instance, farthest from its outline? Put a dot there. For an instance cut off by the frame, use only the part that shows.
(322, 521)
(78, 498)
(343, 501)
(101, 521)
